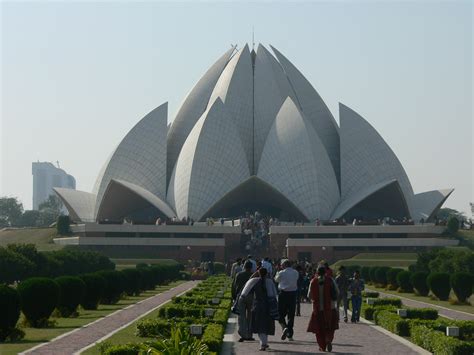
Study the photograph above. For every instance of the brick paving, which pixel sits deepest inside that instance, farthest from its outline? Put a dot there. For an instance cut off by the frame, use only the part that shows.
(442, 311)
(360, 338)
(80, 338)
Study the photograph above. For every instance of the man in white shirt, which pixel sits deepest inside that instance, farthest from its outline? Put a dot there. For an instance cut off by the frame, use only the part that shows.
(287, 285)
(266, 264)
(254, 263)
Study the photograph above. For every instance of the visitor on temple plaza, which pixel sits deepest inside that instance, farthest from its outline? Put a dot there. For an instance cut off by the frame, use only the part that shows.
(244, 304)
(324, 320)
(342, 282)
(299, 290)
(262, 288)
(356, 286)
(268, 265)
(328, 269)
(287, 280)
(254, 263)
(236, 268)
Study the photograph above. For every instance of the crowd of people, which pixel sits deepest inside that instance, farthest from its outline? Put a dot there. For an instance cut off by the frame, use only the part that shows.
(266, 291)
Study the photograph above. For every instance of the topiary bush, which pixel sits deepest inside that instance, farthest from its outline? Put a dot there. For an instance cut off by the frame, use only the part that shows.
(132, 281)
(392, 277)
(381, 275)
(114, 286)
(39, 297)
(94, 290)
(404, 282)
(372, 272)
(461, 283)
(439, 284)
(419, 282)
(9, 310)
(365, 273)
(72, 291)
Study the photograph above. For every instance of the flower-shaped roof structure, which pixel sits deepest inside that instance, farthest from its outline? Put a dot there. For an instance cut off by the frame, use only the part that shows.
(252, 134)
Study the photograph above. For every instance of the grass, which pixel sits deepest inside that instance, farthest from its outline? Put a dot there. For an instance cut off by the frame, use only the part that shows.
(121, 264)
(36, 336)
(412, 296)
(402, 260)
(41, 237)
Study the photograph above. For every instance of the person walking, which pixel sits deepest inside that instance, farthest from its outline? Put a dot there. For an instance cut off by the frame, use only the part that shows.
(299, 291)
(324, 319)
(342, 282)
(262, 288)
(236, 268)
(244, 304)
(287, 280)
(356, 286)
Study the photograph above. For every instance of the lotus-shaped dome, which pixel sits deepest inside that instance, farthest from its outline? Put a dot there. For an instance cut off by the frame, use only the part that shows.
(253, 133)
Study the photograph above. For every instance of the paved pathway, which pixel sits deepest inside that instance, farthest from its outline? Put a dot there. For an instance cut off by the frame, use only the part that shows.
(361, 338)
(442, 311)
(80, 338)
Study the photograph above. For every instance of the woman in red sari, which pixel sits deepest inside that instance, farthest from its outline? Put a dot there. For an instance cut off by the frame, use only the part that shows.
(324, 319)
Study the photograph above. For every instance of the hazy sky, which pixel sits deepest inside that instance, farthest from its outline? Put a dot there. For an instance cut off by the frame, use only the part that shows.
(77, 76)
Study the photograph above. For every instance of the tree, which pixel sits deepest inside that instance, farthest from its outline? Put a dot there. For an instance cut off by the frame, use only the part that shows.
(445, 213)
(11, 211)
(29, 218)
(63, 225)
(14, 266)
(453, 225)
(53, 203)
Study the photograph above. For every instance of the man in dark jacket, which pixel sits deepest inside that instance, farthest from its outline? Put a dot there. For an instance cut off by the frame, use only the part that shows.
(342, 282)
(244, 303)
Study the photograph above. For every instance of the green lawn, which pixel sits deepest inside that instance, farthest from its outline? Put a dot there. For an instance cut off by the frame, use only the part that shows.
(402, 260)
(41, 237)
(412, 296)
(36, 336)
(121, 264)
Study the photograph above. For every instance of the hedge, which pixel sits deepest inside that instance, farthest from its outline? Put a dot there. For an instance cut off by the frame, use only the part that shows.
(404, 282)
(392, 277)
(95, 287)
(39, 297)
(213, 337)
(114, 286)
(392, 322)
(439, 284)
(72, 291)
(370, 294)
(9, 310)
(422, 313)
(132, 281)
(381, 275)
(419, 282)
(461, 283)
(365, 273)
(124, 349)
(368, 312)
(438, 343)
(397, 302)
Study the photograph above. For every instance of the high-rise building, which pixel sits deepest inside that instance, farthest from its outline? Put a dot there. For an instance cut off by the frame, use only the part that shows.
(45, 177)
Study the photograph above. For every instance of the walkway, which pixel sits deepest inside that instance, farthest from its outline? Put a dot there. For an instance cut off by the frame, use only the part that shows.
(361, 338)
(442, 311)
(78, 339)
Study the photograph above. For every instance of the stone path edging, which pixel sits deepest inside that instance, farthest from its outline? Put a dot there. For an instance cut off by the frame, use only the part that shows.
(444, 311)
(104, 327)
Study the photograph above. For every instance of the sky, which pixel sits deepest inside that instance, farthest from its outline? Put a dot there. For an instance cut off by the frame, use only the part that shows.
(77, 76)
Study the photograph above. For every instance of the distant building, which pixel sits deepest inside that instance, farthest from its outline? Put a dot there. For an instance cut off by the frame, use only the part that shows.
(45, 177)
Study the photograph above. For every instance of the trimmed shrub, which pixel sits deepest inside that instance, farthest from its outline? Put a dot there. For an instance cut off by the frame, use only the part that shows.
(370, 294)
(114, 286)
(39, 297)
(72, 291)
(396, 302)
(368, 312)
(461, 283)
(403, 280)
(94, 290)
(219, 268)
(452, 225)
(213, 337)
(147, 281)
(439, 284)
(365, 273)
(381, 275)
(422, 313)
(132, 281)
(392, 322)
(9, 310)
(438, 343)
(372, 272)
(392, 277)
(124, 349)
(419, 282)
